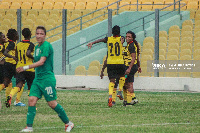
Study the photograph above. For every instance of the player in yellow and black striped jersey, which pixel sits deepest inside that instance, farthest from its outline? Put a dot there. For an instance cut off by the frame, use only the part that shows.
(131, 60)
(24, 54)
(2, 57)
(115, 62)
(10, 59)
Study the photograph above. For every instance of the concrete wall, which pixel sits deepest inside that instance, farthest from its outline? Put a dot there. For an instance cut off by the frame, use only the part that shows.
(147, 83)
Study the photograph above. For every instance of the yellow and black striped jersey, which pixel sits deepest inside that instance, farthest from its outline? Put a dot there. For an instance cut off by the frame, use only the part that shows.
(22, 48)
(11, 46)
(114, 50)
(1, 52)
(127, 50)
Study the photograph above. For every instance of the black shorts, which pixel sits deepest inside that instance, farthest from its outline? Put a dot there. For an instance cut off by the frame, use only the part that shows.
(1, 73)
(130, 77)
(115, 70)
(9, 70)
(25, 76)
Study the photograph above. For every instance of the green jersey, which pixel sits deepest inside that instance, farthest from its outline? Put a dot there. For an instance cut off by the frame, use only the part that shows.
(46, 70)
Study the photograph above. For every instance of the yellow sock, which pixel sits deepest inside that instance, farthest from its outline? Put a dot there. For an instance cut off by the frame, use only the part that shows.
(14, 91)
(111, 87)
(114, 94)
(8, 89)
(129, 97)
(125, 94)
(121, 83)
(19, 94)
(133, 95)
(2, 86)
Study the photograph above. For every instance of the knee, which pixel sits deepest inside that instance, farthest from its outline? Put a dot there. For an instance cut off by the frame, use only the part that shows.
(52, 104)
(32, 101)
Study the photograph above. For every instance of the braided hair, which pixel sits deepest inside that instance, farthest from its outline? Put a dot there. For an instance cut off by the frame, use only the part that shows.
(136, 43)
(26, 32)
(12, 33)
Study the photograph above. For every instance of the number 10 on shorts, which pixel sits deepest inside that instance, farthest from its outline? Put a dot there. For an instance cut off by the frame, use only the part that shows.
(49, 90)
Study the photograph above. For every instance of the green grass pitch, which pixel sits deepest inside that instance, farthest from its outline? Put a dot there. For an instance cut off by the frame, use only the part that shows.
(156, 112)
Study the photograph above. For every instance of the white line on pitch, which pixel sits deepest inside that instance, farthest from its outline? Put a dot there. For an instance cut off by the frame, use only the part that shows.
(136, 125)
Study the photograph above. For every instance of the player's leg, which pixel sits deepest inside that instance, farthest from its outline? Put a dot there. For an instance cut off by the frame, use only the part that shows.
(18, 98)
(121, 84)
(8, 89)
(50, 95)
(115, 91)
(125, 94)
(134, 99)
(112, 76)
(35, 94)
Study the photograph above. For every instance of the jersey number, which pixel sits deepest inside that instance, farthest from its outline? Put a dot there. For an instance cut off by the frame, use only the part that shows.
(49, 90)
(22, 56)
(117, 49)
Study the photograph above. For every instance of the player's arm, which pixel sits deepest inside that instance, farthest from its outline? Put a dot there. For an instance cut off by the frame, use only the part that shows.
(103, 68)
(138, 63)
(10, 47)
(29, 50)
(34, 65)
(97, 41)
(133, 55)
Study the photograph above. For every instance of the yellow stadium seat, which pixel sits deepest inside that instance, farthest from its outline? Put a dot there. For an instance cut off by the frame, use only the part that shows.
(58, 5)
(48, 27)
(146, 57)
(162, 52)
(125, 5)
(158, 6)
(95, 63)
(192, 5)
(196, 57)
(28, 22)
(51, 22)
(163, 40)
(162, 46)
(15, 5)
(172, 57)
(161, 57)
(69, 5)
(105, 72)
(186, 28)
(48, 5)
(57, 12)
(45, 12)
(196, 34)
(147, 7)
(40, 22)
(174, 34)
(185, 52)
(196, 29)
(163, 34)
(185, 57)
(4, 5)
(196, 53)
(197, 45)
(148, 39)
(92, 5)
(6, 22)
(172, 52)
(133, 7)
(80, 71)
(187, 22)
(101, 5)
(186, 45)
(173, 46)
(104, 58)
(148, 46)
(31, 16)
(51, 1)
(186, 39)
(147, 52)
(145, 72)
(54, 16)
(42, 16)
(174, 28)
(11, 17)
(26, 5)
(37, 5)
(192, 13)
(35, 12)
(93, 71)
(174, 40)
(80, 5)
(186, 34)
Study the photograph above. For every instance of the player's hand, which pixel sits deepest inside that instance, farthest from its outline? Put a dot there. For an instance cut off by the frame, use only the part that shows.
(101, 75)
(139, 70)
(20, 69)
(15, 58)
(128, 71)
(89, 45)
